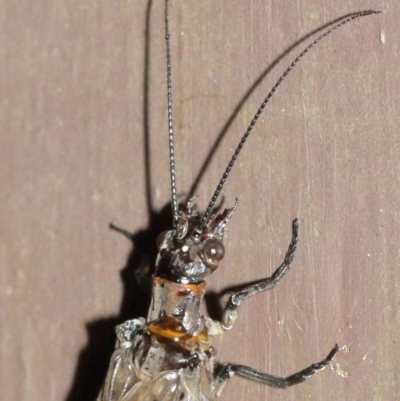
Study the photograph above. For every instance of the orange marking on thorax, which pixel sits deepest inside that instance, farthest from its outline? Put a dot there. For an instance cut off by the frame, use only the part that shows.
(168, 328)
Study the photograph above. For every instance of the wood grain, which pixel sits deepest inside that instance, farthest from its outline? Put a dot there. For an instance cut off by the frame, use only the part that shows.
(83, 95)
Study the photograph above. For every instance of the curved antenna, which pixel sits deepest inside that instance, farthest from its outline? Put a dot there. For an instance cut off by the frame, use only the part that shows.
(172, 171)
(219, 187)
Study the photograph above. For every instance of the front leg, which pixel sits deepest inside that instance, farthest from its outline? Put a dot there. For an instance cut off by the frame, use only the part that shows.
(229, 370)
(230, 314)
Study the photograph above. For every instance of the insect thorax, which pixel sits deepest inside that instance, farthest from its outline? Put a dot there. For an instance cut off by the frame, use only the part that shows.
(174, 315)
(183, 263)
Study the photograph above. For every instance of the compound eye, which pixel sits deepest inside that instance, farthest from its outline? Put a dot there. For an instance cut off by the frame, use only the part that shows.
(161, 238)
(212, 253)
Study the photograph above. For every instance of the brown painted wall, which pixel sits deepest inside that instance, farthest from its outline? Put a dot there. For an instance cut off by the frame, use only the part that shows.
(75, 112)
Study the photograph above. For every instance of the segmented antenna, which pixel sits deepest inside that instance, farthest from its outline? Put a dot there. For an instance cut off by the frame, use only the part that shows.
(219, 187)
(174, 200)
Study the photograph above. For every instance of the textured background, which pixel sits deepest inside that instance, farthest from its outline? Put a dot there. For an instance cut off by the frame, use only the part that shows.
(82, 92)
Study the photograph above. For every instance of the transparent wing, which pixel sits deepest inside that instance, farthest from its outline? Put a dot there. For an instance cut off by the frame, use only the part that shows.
(129, 377)
(122, 375)
(174, 385)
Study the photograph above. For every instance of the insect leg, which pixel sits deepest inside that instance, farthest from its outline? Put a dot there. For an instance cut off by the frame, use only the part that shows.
(230, 313)
(125, 233)
(229, 370)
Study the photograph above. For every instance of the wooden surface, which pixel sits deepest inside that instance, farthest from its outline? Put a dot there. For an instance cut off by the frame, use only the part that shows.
(82, 90)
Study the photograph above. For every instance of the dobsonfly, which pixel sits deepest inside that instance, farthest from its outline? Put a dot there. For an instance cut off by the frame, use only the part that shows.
(168, 356)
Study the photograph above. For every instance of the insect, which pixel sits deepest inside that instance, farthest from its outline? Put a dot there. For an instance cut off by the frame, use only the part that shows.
(168, 356)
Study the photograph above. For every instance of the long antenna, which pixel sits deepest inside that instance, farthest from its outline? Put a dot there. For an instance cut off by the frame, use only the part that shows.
(219, 187)
(174, 200)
